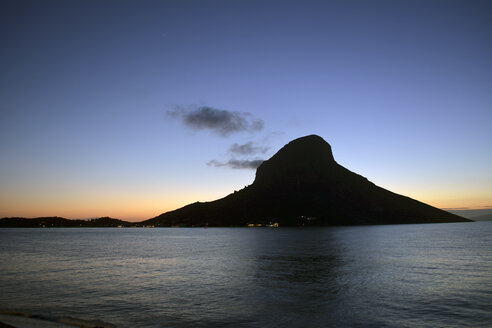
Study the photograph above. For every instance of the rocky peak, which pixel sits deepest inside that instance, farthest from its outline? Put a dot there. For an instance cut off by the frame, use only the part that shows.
(305, 157)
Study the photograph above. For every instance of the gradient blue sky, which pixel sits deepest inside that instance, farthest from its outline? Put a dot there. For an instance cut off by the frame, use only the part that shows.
(402, 90)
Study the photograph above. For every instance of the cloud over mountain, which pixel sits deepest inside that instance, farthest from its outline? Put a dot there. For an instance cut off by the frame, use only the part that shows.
(237, 164)
(242, 150)
(248, 148)
(220, 121)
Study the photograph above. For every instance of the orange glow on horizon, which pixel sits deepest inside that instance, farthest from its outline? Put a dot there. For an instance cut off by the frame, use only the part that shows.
(127, 207)
(139, 205)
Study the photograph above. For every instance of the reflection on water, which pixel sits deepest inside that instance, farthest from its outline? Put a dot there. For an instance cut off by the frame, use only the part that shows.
(380, 276)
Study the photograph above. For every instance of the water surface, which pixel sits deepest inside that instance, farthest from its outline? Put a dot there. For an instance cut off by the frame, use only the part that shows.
(423, 275)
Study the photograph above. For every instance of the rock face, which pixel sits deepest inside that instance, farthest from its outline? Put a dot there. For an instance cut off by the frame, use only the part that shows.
(303, 184)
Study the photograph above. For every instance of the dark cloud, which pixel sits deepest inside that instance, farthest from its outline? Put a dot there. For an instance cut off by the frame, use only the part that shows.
(220, 121)
(237, 164)
(248, 148)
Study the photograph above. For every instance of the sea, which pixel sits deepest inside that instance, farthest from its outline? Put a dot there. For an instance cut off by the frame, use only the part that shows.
(419, 275)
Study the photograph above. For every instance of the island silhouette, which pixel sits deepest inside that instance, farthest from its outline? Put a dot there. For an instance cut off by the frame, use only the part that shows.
(300, 185)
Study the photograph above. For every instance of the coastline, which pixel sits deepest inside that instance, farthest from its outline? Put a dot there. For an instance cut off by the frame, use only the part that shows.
(13, 319)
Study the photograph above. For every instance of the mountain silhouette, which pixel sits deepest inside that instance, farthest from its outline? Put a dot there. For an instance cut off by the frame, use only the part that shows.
(303, 184)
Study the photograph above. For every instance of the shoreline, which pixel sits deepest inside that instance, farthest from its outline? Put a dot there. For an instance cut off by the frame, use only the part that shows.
(14, 319)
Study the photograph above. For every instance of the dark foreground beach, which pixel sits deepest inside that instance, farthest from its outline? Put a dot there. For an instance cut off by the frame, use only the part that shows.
(11, 319)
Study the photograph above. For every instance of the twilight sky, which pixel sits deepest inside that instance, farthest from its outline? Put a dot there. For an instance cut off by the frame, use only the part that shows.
(133, 108)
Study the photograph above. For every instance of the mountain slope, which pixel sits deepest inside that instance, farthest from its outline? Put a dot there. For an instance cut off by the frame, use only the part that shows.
(303, 184)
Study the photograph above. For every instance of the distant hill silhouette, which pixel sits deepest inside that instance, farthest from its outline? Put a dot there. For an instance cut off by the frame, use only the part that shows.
(485, 217)
(58, 222)
(303, 184)
(470, 213)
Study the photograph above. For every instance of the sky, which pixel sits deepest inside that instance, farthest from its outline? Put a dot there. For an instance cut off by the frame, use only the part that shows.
(130, 109)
